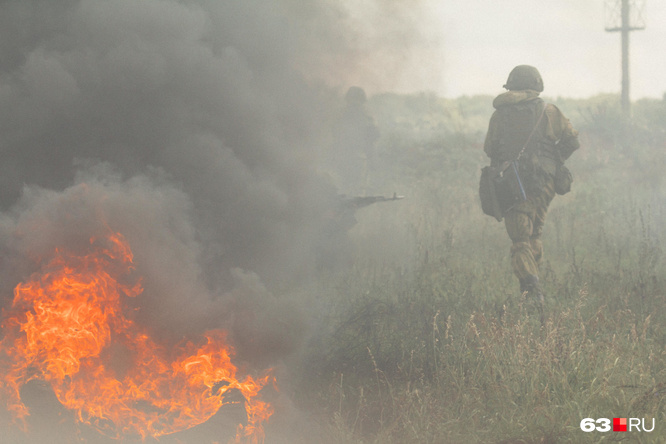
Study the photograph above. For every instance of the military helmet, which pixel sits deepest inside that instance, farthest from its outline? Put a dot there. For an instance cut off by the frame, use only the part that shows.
(524, 77)
(355, 96)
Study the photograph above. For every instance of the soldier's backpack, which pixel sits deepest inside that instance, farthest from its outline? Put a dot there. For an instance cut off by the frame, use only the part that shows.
(516, 123)
(501, 188)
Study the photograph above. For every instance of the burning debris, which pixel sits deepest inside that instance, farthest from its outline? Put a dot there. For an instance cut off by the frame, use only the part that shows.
(66, 318)
(119, 323)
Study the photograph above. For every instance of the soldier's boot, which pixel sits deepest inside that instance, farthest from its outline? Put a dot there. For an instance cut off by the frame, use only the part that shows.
(530, 287)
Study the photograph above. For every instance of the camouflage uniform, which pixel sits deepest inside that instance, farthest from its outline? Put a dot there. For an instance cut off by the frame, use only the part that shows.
(552, 142)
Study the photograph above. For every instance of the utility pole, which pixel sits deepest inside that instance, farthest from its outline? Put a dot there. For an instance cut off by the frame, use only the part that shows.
(625, 16)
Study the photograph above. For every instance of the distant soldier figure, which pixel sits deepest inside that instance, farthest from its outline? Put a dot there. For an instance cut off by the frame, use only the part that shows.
(524, 127)
(355, 135)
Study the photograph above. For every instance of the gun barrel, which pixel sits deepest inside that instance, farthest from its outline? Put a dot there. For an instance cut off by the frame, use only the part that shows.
(364, 201)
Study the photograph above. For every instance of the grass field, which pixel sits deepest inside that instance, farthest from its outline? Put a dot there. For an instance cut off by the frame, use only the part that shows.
(424, 337)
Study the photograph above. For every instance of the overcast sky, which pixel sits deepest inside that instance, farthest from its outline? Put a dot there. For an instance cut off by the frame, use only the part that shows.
(469, 46)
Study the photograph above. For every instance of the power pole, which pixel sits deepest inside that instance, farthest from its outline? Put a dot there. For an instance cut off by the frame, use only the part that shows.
(625, 16)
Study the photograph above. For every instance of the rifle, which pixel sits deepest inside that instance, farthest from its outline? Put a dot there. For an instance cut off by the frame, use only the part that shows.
(356, 202)
(343, 217)
(338, 220)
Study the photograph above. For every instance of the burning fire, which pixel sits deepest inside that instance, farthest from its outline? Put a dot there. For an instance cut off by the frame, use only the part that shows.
(61, 329)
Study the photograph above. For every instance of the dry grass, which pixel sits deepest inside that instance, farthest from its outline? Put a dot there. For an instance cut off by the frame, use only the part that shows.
(435, 345)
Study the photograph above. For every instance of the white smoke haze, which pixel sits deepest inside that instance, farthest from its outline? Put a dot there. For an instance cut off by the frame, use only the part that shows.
(383, 46)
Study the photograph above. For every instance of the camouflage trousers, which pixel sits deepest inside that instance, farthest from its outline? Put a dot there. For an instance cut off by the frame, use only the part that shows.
(524, 224)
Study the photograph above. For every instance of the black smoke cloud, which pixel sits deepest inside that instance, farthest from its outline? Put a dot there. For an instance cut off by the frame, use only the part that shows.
(190, 110)
(193, 128)
(181, 125)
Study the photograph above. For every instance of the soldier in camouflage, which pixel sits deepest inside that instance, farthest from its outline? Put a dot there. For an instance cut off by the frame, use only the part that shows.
(354, 136)
(522, 121)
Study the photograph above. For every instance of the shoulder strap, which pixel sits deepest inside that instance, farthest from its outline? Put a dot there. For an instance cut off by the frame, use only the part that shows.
(543, 110)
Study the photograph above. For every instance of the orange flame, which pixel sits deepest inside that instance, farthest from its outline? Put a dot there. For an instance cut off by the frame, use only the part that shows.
(63, 321)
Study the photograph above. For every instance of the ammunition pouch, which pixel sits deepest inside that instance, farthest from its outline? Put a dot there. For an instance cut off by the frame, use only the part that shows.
(500, 189)
(563, 179)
